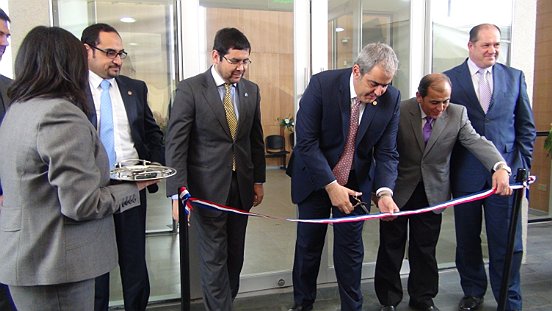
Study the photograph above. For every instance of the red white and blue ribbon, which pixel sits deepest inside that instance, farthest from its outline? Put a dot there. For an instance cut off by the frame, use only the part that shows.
(188, 200)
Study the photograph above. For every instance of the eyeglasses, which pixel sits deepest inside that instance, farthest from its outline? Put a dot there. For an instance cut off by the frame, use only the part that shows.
(238, 62)
(110, 53)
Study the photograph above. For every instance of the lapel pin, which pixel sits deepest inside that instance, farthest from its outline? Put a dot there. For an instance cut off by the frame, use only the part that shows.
(374, 103)
(129, 93)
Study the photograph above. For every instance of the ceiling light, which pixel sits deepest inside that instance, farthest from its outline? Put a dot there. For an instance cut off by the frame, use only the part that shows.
(127, 19)
(339, 29)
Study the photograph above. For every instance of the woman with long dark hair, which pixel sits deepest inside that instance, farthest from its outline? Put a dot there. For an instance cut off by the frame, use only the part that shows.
(56, 228)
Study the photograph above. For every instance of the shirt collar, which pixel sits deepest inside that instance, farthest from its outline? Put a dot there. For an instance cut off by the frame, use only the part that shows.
(95, 80)
(473, 68)
(218, 79)
(352, 87)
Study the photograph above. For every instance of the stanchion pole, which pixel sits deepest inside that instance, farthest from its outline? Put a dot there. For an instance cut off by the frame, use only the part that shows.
(521, 177)
(184, 256)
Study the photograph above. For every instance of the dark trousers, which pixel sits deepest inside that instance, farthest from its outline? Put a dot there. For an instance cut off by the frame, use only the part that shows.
(6, 302)
(221, 248)
(130, 232)
(348, 252)
(423, 233)
(469, 256)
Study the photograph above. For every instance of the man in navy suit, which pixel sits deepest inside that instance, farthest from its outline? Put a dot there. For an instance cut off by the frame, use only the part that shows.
(506, 119)
(323, 129)
(136, 135)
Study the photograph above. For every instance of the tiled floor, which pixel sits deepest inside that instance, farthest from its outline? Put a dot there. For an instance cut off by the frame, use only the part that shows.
(270, 244)
(536, 286)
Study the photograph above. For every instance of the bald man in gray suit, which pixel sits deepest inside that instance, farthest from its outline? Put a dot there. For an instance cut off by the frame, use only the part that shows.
(424, 180)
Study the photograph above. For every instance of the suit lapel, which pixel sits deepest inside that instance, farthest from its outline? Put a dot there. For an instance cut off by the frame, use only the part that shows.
(91, 108)
(438, 127)
(498, 83)
(416, 123)
(466, 84)
(129, 100)
(213, 100)
(243, 104)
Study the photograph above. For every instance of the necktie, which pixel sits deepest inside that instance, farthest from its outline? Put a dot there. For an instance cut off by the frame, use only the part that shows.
(230, 116)
(343, 166)
(106, 123)
(484, 90)
(428, 126)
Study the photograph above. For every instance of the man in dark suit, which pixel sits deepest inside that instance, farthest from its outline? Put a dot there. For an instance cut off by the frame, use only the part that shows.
(5, 299)
(498, 107)
(428, 129)
(215, 142)
(136, 135)
(346, 146)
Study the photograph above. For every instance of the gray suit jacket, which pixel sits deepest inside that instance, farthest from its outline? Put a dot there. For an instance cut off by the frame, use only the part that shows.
(199, 145)
(431, 162)
(55, 224)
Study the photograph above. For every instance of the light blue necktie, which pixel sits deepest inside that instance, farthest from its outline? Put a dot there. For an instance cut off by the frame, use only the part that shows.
(106, 123)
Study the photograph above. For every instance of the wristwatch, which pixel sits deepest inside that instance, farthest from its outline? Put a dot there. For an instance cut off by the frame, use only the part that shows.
(506, 168)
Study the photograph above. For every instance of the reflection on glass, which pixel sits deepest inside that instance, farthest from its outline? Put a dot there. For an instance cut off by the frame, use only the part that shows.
(452, 21)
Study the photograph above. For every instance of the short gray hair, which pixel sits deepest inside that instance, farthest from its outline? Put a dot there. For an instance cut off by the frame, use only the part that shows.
(377, 54)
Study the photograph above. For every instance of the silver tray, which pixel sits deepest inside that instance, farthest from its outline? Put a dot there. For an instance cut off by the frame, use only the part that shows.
(139, 170)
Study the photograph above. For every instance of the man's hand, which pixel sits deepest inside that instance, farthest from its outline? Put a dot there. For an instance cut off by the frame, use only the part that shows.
(175, 210)
(339, 196)
(501, 182)
(258, 194)
(386, 204)
(143, 184)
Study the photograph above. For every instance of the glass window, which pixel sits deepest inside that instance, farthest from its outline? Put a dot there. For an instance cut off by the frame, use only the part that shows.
(349, 31)
(452, 21)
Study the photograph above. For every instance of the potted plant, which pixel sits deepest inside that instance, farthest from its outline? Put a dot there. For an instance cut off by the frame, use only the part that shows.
(288, 123)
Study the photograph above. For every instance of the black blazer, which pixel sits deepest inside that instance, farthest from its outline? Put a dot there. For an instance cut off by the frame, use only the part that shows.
(146, 134)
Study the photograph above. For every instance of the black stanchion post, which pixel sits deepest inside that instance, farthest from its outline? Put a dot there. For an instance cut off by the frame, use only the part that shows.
(184, 256)
(521, 177)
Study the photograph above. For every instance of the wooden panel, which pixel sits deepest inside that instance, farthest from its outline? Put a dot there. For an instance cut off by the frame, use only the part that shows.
(542, 94)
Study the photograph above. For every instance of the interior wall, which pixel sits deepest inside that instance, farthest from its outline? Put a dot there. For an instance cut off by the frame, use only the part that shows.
(271, 36)
(542, 92)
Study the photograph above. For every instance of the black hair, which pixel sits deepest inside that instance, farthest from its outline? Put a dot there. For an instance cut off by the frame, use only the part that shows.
(51, 63)
(91, 34)
(230, 38)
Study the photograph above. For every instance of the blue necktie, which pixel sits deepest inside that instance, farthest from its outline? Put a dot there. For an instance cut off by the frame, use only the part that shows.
(106, 123)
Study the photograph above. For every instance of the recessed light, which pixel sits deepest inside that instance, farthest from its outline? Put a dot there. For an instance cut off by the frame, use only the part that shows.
(127, 19)
(339, 29)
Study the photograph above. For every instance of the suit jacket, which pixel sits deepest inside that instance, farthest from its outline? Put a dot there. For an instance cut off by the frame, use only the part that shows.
(146, 134)
(200, 147)
(509, 124)
(431, 162)
(55, 224)
(4, 84)
(321, 133)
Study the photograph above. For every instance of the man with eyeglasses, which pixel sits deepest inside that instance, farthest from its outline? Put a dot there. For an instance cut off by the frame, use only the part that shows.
(215, 142)
(119, 109)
